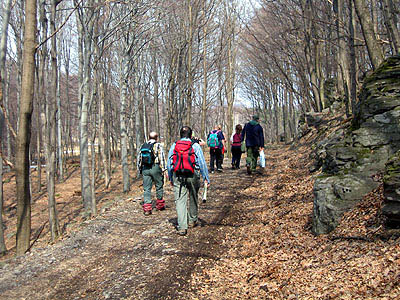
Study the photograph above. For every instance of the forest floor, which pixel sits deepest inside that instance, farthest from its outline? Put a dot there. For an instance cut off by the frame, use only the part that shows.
(254, 242)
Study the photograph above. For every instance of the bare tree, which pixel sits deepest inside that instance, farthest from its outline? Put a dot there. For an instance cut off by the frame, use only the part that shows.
(375, 52)
(3, 51)
(24, 130)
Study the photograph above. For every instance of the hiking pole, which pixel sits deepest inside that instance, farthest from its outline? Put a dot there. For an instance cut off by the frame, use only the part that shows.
(205, 193)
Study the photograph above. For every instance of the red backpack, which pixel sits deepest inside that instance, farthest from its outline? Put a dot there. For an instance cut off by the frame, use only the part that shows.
(237, 140)
(184, 158)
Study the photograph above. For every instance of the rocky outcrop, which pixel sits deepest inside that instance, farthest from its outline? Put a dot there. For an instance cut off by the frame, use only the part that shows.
(349, 158)
(391, 186)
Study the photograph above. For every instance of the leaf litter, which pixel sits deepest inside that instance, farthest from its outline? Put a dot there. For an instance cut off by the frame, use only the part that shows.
(272, 253)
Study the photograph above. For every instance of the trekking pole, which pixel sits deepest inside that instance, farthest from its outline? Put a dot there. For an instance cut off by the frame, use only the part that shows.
(205, 193)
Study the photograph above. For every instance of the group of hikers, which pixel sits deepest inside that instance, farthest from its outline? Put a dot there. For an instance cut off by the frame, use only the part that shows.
(185, 163)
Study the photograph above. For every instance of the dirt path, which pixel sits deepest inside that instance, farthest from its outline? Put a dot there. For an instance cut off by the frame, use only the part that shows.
(123, 255)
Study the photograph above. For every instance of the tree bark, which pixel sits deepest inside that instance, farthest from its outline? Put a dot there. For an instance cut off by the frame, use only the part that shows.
(352, 55)
(390, 17)
(3, 52)
(3, 248)
(86, 27)
(205, 82)
(51, 140)
(24, 130)
(103, 137)
(136, 104)
(375, 52)
(189, 66)
(124, 136)
(156, 97)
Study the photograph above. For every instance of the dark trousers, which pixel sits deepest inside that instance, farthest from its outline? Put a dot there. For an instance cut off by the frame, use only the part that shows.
(215, 157)
(236, 155)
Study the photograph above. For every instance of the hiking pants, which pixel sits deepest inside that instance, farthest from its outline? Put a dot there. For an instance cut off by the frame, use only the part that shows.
(236, 155)
(150, 175)
(186, 199)
(215, 156)
(252, 155)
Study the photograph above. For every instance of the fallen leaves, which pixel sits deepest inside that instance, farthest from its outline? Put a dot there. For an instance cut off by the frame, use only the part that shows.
(273, 255)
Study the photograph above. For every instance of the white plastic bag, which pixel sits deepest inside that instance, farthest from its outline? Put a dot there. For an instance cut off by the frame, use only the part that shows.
(261, 160)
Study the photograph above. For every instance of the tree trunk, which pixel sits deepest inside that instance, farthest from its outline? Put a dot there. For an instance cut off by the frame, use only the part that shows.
(51, 140)
(104, 148)
(189, 67)
(309, 40)
(3, 248)
(230, 78)
(60, 152)
(124, 136)
(83, 125)
(24, 130)
(375, 52)
(389, 14)
(3, 52)
(353, 61)
(156, 98)
(93, 170)
(3, 40)
(136, 104)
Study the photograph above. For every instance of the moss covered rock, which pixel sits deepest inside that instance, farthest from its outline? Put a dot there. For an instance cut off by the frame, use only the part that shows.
(350, 159)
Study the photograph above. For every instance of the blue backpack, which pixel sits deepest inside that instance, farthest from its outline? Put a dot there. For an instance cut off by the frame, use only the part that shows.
(147, 153)
(212, 140)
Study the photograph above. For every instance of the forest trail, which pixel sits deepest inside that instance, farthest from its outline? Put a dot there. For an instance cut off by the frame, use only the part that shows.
(122, 254)
(254, 242)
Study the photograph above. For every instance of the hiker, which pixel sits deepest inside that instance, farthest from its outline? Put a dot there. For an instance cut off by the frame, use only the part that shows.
(216, 141)
(223, 147)
(236, 148)
(151, 164)
(254, 134)
(185, 164)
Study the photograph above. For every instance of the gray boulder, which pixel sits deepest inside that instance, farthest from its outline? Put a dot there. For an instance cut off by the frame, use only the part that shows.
(333, 195)
(391, 186)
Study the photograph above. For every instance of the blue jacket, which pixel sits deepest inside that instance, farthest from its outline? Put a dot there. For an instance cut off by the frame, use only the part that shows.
(254, 134)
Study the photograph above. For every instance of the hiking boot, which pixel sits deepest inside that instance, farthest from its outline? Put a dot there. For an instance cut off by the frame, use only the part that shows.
(182, 232)
(260, 171)
(160, 204)
(248, 170)
(147, 207)
(192, 224)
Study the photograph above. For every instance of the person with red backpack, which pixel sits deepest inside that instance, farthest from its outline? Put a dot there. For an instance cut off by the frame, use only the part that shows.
(185, 164)
(236, 148)
(216, 142)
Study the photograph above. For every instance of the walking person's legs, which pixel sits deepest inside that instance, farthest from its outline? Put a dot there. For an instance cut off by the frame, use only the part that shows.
(219, 158)
(251, 160)
(233, 157)
(255, 155)
(212, 159)
(236, 154)
(159, 183)
(147, 185)
(193, 186)
(181, 193)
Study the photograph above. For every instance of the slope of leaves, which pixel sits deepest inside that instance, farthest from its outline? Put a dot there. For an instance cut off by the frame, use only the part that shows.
(273, 254)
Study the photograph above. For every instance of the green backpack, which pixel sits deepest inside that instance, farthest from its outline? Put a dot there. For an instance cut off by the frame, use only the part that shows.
(212, 140)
